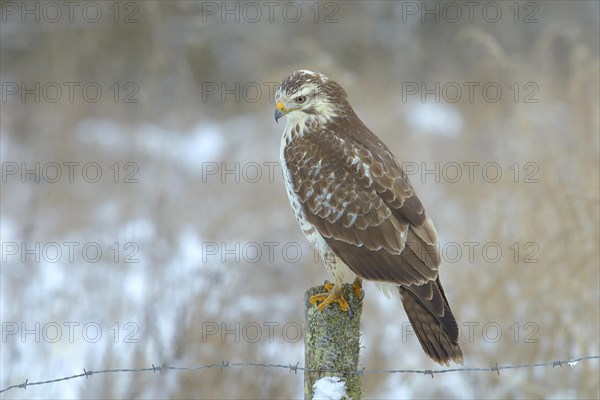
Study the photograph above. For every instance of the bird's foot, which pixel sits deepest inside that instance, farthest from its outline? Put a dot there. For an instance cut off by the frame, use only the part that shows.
(333, 295)
(357, 286)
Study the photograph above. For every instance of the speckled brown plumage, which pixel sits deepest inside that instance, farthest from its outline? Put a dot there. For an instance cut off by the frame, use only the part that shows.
(352, 199)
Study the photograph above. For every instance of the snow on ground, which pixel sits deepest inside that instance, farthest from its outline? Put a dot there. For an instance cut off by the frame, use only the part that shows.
(204, 142)
(435, 119)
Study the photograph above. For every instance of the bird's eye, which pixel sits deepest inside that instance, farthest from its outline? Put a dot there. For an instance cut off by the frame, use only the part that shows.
(300, 99)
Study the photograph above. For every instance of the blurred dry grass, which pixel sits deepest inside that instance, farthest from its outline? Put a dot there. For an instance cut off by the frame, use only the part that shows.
(170, 54)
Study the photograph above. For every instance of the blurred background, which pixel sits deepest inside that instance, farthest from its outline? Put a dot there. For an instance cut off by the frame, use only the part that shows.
(144, 218)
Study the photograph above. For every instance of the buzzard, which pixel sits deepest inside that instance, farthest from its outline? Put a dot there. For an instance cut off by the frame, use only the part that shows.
(355, 203)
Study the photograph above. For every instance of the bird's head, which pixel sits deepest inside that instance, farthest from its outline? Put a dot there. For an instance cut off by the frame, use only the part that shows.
(305, 95)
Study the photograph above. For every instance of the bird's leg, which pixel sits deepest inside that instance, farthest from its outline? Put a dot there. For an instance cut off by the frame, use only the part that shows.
(327, 285)
(357, 286)
(333, 295)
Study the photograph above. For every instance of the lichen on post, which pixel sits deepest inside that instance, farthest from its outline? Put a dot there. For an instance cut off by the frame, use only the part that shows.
(332, 342)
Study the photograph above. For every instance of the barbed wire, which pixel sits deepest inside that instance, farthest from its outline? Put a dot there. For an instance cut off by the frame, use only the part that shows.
(295, 368)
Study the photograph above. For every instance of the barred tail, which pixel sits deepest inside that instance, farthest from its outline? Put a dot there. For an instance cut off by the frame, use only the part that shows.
(432, 320)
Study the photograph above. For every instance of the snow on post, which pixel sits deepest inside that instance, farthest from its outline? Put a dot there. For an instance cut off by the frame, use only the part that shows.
(330, 388)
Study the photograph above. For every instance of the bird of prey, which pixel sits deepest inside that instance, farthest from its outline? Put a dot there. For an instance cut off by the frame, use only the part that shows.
(355, 203)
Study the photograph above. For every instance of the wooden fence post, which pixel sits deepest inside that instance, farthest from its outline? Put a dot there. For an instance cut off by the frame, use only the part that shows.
(332, 342)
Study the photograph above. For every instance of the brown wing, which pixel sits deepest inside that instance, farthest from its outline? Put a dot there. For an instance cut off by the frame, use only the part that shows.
(356, 194)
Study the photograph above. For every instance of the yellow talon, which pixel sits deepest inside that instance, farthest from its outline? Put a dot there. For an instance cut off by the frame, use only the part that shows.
(357, 286)
(334, 296)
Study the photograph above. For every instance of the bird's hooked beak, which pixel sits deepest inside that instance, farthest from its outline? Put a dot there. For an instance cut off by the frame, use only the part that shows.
(280, 111)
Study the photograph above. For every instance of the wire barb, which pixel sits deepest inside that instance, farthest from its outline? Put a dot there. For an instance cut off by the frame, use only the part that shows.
(495, 368)
(294, 368)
